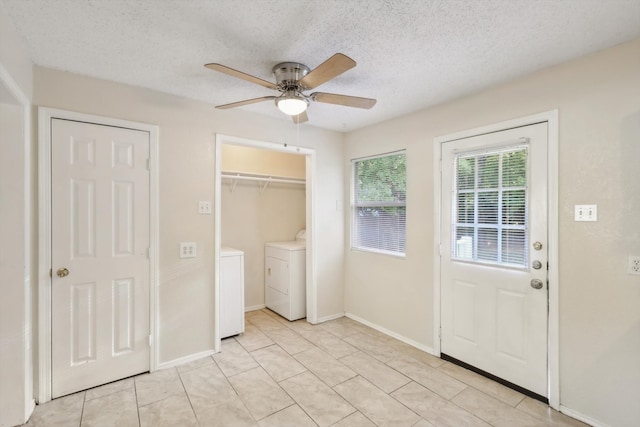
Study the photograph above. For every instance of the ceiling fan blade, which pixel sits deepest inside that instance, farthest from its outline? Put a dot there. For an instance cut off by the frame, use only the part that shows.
(239, 74)
(245, 102)
(300, 118)
(329, 69)
(346, 100)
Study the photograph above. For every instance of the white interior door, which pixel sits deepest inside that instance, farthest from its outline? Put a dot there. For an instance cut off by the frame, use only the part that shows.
(494, 254)
(100, 261)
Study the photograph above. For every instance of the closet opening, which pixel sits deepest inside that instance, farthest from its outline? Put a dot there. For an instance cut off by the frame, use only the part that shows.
(264, 219)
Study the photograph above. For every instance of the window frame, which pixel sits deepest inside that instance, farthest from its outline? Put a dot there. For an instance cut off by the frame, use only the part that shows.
(354, 205)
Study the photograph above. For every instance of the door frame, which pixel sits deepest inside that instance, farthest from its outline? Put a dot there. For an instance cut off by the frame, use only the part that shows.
(311, 285)
(551, 118)
(45, 115)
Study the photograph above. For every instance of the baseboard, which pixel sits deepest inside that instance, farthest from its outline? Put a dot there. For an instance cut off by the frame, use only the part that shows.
(255, 307)
(185, 359)
(581, 417)
(399, 337)
(331, 317)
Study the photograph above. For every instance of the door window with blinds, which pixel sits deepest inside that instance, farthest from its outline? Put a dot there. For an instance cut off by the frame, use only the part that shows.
(490, 209)
(379, 206)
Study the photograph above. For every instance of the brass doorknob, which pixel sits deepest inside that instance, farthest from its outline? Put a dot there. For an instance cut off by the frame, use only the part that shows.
(62, 272)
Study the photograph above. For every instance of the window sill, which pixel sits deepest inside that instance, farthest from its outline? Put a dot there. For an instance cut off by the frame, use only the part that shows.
(380, 252)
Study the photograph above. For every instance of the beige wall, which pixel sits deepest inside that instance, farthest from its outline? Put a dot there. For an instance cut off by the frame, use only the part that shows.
(251, 216)
(187, 161)
(16, 399)
(598, 98)
(12, 263)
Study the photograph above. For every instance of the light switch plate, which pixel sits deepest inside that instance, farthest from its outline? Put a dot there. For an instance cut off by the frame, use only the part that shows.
(204, 207)
(586, 213)
(187, 249)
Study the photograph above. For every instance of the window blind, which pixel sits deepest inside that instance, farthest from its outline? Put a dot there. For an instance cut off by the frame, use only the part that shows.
(490, 219)
(379, 203)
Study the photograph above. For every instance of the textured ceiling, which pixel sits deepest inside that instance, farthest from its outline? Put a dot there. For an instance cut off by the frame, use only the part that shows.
(410, 54)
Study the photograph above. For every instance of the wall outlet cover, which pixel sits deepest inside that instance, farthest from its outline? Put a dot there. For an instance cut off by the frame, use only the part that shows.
(634, 265)
(187, 249)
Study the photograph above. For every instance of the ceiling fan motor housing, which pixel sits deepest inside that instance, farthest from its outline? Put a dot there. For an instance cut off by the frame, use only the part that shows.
(288, 75)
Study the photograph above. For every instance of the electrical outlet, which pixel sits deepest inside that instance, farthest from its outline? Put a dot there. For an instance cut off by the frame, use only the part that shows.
(634, 265)
(187, 249)
(204, 207)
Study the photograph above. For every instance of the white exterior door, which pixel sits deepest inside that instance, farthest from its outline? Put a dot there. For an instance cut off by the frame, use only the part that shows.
(494, 254)
(100, 264)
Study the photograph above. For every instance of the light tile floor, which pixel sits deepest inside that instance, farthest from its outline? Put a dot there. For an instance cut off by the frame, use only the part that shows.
(281, 374)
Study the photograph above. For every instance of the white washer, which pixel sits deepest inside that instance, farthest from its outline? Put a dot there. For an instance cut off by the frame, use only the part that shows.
(285, 284)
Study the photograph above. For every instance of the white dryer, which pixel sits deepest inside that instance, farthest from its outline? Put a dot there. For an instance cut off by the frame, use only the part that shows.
(285, 279)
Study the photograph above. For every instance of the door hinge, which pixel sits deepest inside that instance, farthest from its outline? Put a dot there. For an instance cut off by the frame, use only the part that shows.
(150, 340)
(148, 253)
(148, 164)
(51, 272)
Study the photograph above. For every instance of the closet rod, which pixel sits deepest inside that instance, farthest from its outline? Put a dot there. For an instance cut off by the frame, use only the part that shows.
(263, 179)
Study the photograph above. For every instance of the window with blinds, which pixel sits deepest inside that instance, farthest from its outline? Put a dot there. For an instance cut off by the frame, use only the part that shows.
(379, 207)
(490, 207)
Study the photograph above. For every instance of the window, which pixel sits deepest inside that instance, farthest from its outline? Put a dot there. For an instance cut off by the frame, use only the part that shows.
(379, 207)
(490, 218)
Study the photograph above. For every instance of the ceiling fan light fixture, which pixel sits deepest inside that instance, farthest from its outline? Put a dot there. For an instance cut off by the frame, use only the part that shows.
(292, 103)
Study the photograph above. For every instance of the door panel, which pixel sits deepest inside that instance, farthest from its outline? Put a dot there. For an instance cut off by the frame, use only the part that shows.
(83, 323)
(123, 315)
(100, 235)
(510, 324)
(494, 207)
(464, 311)
(83, 214)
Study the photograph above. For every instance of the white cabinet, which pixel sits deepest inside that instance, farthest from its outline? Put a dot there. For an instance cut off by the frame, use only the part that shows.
(231, 292)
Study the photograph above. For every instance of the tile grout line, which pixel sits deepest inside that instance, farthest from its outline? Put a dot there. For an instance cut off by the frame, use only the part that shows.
(295, 402)
(135, 392)
(388, 394)
(226, 378)
(84, 400)
(186, 393)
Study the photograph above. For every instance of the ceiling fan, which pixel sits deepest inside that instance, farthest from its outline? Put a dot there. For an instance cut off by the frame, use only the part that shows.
(292, 80)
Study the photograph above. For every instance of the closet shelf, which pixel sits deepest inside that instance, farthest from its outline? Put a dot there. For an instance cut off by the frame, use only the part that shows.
(266, 179)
